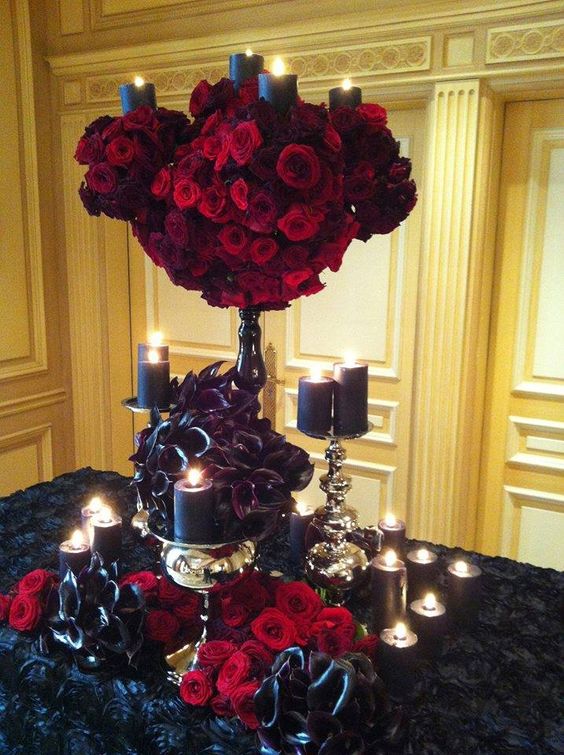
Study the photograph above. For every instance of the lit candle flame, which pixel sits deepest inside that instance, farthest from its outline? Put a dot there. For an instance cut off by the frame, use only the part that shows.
(347, 85)
(95, 504)
(153, 356)
(194, 477)
(390, 520)
(278, 67)
(390, 558)
(400, 631)
(76, 539)
(139, 81)
(156, 338)
(104, 515)
(350, 358)
(423, 554)
(429, 602)
(315, 373)
(248, 52)
(461, 567)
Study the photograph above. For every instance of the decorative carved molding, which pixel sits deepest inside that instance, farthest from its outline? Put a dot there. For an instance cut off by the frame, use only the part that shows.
(30, 403)
(526, 42)
(536, 443)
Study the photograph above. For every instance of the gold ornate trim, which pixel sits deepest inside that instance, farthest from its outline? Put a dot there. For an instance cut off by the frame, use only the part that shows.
(30, 403)
(525, 42)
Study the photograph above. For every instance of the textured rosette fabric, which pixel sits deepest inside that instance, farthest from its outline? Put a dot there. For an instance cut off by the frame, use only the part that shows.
(244, 204)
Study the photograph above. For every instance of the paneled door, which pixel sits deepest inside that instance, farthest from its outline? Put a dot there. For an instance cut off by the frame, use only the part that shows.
(522, 490)
(367, 310)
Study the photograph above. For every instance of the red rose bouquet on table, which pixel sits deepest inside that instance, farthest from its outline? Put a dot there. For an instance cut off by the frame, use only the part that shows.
(247, 205)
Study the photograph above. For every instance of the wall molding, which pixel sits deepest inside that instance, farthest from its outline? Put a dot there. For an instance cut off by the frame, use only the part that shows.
(41, 437)
(526, 42)
(33, 402)
(513, 499)
(526, 435)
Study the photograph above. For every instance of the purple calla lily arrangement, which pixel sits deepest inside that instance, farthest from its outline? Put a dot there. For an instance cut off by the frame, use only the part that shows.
(215, 428)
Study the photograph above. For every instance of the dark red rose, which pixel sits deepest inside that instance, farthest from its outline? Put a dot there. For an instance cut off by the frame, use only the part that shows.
(298, 166)
(245, 140)
(219, 95)
(234, 672)
(250, 592)
(262, 288)
(233, 238)
(298, 601)
(334, 631)
(213, 203)
(90, 149)
(299, 223)
(120, 151)
(264, 162)
(5, 602)
(186, 193)
(170, 594)
(331, 255)
(234, 614)
(140, 119)
(400, 170)
(146, 580)
(215, 652)
(35, 582)
(334, 641)
(199, 98)
(345, 119)
(100, 125)
(358, 188)
(374, 114)
(262, 212)
(196, 688)
(336, 615)
(177, 227)
(239, 192)
(221, 706)
(25, 612)
(248, 91)
(188, 612)
(331, 138)
(244, 705)
(261, 657)
(263, 249)
(295, 278)
(102, 178)
(162, 183)
(367, 645)
(274, 629)
(161, 626)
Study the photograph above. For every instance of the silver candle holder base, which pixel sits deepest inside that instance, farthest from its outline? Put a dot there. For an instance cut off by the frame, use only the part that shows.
(335, 564)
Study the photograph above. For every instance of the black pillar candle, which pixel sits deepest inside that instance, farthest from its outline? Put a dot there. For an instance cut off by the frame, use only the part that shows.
(134, 95)
(278, 88)
(106, 536)
(315, 405)
(397, 659)
(194, 510)
(300, 519)
(345, 96)
(422, 573)
(350, 398)
(464, 585)
(393, 531)
(387, 577)
(243, 66)
(74, 554)
(428, 618)
(153, 376)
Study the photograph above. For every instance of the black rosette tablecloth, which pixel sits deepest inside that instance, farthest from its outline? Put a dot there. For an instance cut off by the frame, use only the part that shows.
(495, 690)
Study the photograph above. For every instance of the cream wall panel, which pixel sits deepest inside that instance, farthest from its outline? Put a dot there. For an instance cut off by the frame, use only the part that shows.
(533, 526)
(25, 458)
(71, 15)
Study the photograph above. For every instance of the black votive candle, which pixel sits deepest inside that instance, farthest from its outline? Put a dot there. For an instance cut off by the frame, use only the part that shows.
(315, 405)
(464, 586)
(153, 376)
(106, 536)
(350, 412)
(428, 619)
(387, 577)
(345, 96)
(393, 531)
(422, 573)
(243, 66)
(74, 554)
(194, 511)
(397, 659)
(300, 519)
(281, 91)
(134, 95)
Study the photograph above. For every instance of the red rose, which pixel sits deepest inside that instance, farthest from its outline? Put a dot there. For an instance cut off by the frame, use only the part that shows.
(374, 114)
(177, 227)
(239, 192)
(161, 626)
(199, 98)
(140, 119)
(25, 612)
(331, 139)
(5, 602)
(274, 629)
(233, 238)
(367, 645)
(162, 183)
(263, 249)
(295, 278)
(400, 170)
(188, 612)
(35, 582)
(187, 193)
(250, 592)
(358, 188)
(120, 151)
(334, 642)
(196, 688)
(262, 212)
(299, 223)
(221, 706)
(245, 140)
(345, 119)
(213, 203)
(244, 704)
(215, 652)
(248, 91)
(331, 255)
(170, 594)
(298, 601)
(334, 631)
(146, 580)
(336, 615)
(261, 657)
(234, 614)
(90, 149)
(262, 288)
(298, 166)
(234, 672)
(102, 178)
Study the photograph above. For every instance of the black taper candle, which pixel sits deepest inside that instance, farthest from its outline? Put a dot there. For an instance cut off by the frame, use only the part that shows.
(464, 586)
(74, 554)
(387, 576)
(243, 66)
(280, 91)
(106, 536)
(422, 572)
(350, 406)
(134, 95)
(341, 97)
(194, 511)
(153, 376)
(315, 405)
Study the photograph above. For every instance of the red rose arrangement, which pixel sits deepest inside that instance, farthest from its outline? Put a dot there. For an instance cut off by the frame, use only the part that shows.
(244, 204)
(23, 608)
(259, 617)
